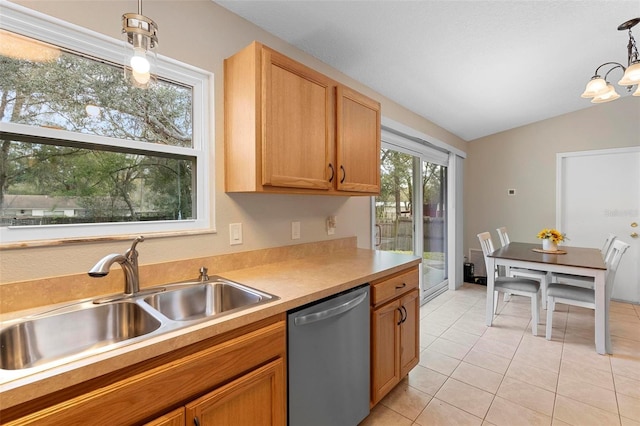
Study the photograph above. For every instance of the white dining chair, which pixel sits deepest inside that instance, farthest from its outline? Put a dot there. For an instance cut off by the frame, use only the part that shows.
(540, 276)
(582, 281)
(585, 297)
(514, 285)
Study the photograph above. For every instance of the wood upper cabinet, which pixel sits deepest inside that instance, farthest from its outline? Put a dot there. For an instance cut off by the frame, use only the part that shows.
(291, 129)
(297, 131)
(395, 323)
(358, 142)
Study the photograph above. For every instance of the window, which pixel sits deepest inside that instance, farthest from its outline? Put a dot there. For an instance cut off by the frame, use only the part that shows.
(84, 152)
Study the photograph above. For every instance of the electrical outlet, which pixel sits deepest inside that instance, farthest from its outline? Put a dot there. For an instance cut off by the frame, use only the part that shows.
(235, 234)
(295, 230)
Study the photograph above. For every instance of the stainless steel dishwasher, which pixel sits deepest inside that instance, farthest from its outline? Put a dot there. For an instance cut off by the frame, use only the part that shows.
(328, 360)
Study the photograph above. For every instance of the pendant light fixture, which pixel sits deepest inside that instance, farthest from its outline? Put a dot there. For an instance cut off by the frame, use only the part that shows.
(599, 88)
(141, 38)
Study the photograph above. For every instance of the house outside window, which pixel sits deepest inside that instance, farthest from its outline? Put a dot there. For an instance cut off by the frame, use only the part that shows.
(101, 156)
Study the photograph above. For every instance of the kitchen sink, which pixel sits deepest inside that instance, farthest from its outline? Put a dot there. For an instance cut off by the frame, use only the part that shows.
(64, 333)
(78, 329)
(190, 302)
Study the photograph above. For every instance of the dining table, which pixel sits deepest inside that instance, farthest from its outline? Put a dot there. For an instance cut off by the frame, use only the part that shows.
(583, 261)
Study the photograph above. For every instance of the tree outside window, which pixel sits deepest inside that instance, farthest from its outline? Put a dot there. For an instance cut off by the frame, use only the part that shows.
(48, 88)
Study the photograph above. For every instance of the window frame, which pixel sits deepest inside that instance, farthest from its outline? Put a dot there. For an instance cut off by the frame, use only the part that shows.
(48, 29)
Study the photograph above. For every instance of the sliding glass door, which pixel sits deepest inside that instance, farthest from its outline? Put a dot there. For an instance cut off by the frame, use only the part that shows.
(394, 207)
(411, 213)
(434, 228)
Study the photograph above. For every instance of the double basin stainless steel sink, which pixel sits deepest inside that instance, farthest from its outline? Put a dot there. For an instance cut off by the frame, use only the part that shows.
(82, 329)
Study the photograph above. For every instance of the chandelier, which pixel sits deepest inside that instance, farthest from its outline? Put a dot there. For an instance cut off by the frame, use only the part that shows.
(141, 35)
(599, 89)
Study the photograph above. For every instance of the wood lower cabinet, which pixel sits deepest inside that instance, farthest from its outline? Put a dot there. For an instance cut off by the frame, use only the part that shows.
(409, 332)
(291, 129)
(240, 374)
(254, 399)
(175, 418)
(394, 330)
(385, 350)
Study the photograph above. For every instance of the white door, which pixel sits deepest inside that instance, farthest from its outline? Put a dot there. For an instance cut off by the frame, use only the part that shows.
(598, 194)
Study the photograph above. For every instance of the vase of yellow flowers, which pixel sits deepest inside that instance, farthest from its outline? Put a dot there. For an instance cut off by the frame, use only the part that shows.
(550, 239)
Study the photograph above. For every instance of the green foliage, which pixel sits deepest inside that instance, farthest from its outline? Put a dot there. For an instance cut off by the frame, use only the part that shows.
(83, 95)
(396, 182)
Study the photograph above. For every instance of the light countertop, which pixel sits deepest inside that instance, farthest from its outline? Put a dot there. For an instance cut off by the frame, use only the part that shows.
(296, 282)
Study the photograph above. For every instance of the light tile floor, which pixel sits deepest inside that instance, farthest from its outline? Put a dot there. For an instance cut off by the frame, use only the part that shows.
(470, 374)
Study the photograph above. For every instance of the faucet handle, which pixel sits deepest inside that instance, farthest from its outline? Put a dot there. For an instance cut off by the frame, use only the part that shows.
(136, 241)
(132, 254)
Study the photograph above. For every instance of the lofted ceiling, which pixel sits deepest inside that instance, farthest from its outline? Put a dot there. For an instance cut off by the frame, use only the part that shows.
(474, 68)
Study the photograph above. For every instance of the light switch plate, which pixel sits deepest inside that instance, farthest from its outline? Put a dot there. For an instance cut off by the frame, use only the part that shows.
(295, 230)
(331, 225)
(235, 233)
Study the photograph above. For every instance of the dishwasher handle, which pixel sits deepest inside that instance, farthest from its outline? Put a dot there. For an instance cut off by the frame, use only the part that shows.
(331, 312)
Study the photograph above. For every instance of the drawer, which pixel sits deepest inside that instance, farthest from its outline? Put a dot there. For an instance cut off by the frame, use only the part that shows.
(394, 286)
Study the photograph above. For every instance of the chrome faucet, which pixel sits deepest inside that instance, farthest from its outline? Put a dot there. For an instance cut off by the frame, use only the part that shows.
(129, 263)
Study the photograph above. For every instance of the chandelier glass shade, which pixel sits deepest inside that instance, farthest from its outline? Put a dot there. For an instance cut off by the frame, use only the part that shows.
(599, 89)
(596, 86)
(609, 94)
(631, 75)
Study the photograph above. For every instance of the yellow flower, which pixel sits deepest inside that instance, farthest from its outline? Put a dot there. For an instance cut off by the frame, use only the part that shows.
(552, 234)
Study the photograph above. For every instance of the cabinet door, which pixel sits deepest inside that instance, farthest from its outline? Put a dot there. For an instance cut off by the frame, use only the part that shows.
(358, 142)
(409, 332)
(385, 351)
(174, 418)
(257, 398)
(297, 124)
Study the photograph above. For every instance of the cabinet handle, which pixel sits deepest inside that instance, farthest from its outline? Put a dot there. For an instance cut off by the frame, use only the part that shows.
(196, 422)
(333, 172)
(398, 287)
(344, 174)
(403, 314)
(399, 310)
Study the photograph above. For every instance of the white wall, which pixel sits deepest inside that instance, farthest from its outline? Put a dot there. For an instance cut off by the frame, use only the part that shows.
(525, 159)
(202, 33)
